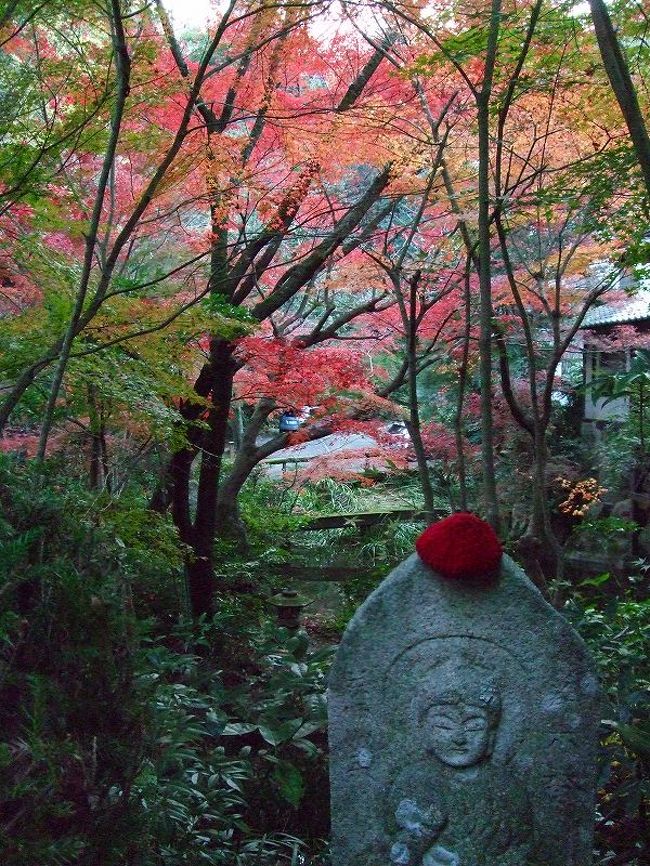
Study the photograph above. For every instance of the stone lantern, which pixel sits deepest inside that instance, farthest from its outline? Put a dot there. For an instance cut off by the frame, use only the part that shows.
(289, 605)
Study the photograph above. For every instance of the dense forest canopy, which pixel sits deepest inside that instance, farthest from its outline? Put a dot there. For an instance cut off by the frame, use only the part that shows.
(235, 239)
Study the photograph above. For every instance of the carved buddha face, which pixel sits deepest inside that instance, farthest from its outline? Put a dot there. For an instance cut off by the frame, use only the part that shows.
(460, 734)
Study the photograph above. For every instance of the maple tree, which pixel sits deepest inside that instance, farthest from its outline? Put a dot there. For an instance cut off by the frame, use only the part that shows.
(328, 310)
(275, 226)
(532, 157)
(421, 279)
(208, 204)
(116, 194)
(133, 202)
(551, 223)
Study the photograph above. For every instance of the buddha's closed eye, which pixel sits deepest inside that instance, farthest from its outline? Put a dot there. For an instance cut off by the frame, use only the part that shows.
(444, 724)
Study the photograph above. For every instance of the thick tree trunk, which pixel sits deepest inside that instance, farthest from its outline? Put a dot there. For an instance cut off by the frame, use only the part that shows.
(249, 455)
(200, 585)
(214, 443)
(229, 522)
(215, 381)
(622, 85)
(180, 470)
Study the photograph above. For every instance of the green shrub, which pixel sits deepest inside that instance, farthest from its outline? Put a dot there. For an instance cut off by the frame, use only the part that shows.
(113, 709)
(617, 632)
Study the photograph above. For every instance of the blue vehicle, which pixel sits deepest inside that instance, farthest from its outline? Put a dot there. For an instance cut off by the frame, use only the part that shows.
(289, 422)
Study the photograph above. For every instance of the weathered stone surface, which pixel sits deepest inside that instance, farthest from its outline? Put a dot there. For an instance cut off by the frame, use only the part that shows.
(463, 728)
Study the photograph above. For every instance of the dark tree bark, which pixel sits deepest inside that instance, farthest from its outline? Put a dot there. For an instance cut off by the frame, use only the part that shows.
(621, 81)
(60, 347)
(122, 88)
(483, 102)
(215, 384)
(414, 425)
(357, 87)
(99, 462)
(235, 280)
(200, 568)
(462, 386)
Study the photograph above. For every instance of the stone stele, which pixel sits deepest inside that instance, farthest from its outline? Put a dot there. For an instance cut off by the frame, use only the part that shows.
(463, 727)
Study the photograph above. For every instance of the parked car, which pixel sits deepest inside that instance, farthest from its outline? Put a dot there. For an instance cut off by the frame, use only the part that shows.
(397, 428)
(289, 422)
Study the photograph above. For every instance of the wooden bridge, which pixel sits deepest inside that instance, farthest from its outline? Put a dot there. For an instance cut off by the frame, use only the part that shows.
(339, 571)
(362, 519)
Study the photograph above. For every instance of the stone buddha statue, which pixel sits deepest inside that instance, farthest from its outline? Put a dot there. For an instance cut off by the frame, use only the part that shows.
(447, 807)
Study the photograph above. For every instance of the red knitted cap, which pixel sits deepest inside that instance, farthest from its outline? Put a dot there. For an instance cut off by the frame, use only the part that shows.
(460, 547)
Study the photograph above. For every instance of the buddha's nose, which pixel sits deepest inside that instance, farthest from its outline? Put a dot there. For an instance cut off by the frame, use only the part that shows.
(458, 737)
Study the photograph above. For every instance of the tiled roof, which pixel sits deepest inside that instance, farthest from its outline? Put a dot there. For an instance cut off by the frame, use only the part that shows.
(636, 309)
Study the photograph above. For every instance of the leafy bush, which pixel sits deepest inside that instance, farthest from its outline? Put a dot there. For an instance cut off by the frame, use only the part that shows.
(618, 634)
(112, 718)
(199, 784)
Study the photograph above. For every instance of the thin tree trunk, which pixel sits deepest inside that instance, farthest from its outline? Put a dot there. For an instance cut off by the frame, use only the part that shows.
(103, 452)
(97, 442)
(28, 376)
(485, 273)
(641, 417)
(538, 526)
(94, 474)
(123, 69)
(485, 326)
(414, 423)
(539, 549)
(462, 382)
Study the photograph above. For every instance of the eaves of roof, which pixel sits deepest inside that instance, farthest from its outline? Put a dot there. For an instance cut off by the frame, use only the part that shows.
(636, 309)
